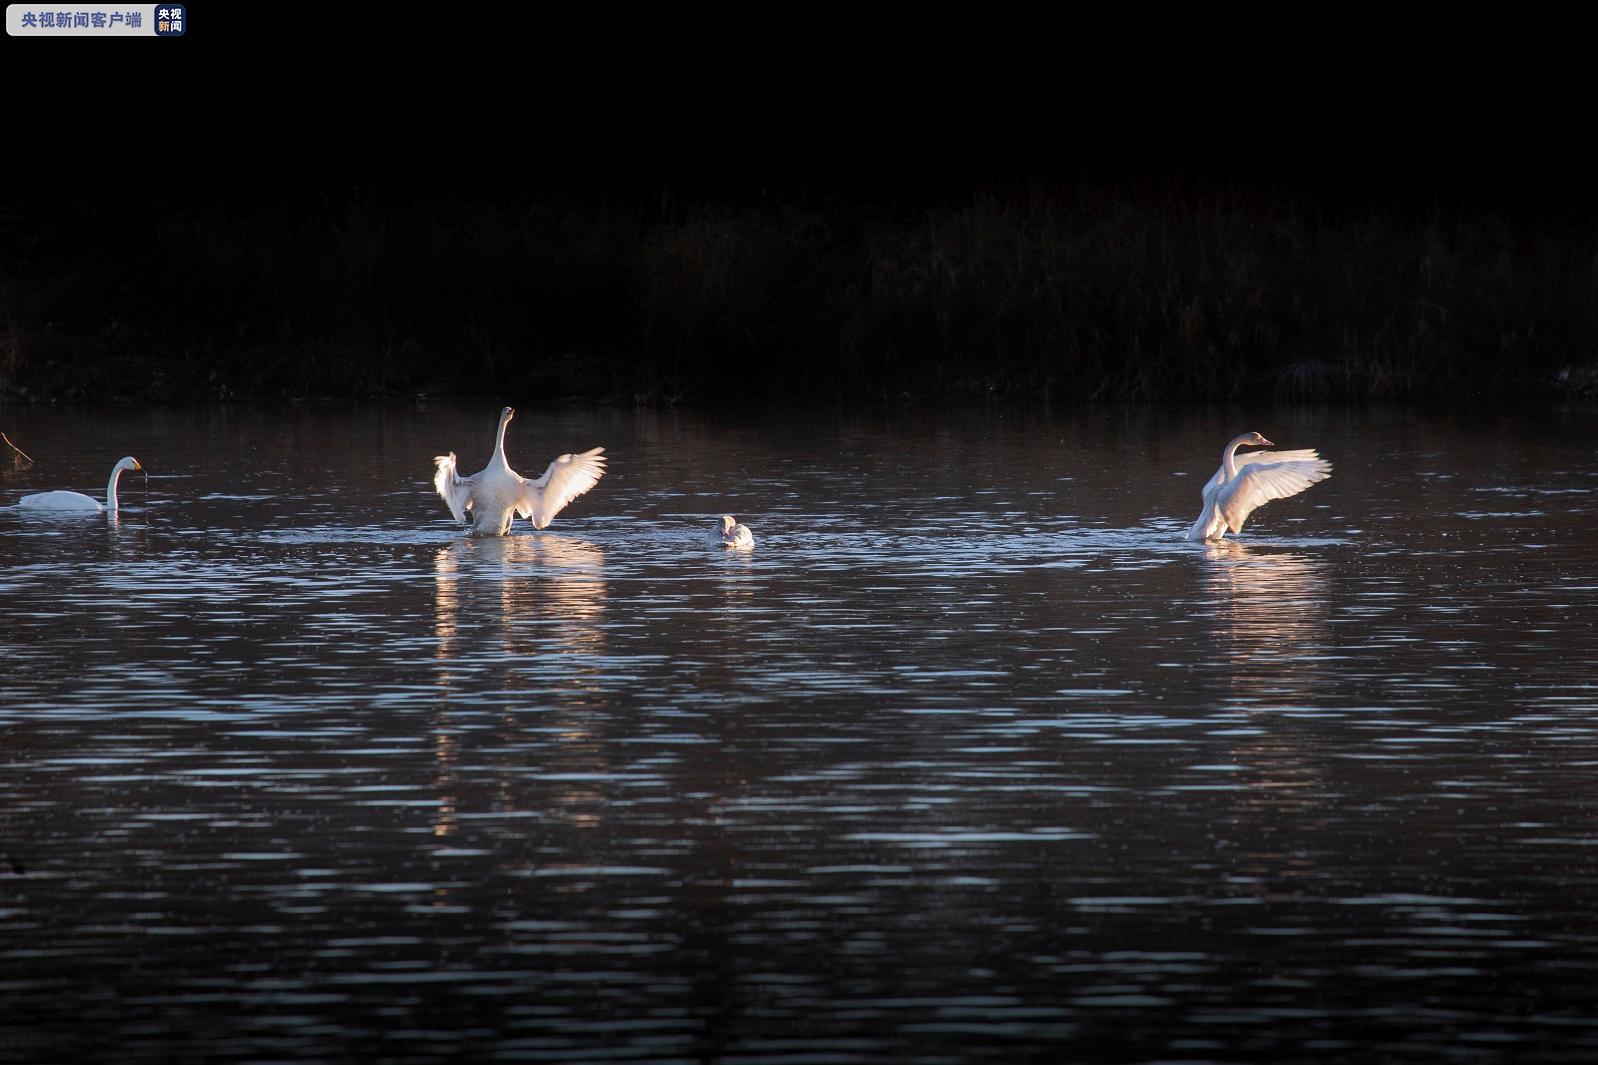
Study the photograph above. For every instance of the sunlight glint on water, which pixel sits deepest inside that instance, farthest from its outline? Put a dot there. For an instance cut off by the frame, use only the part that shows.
(971, 759)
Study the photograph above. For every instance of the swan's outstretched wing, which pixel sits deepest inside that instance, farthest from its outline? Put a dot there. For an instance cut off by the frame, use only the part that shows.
(453, 489)
(1243, 459)
(1260, 482)
(567, 478)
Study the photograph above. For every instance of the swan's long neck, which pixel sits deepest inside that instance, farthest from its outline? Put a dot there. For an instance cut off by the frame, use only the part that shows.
(111, 487)
(1229, 456)
(499, 444)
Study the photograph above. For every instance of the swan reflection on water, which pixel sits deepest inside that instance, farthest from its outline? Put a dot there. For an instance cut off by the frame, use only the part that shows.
(1269, 606)
(554, 584)
(527, 611)
(1268, 623)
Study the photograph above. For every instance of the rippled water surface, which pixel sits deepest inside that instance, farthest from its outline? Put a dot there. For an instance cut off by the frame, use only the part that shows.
(971, 759)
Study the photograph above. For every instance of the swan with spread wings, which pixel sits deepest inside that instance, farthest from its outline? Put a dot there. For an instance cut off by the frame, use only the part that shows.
(496, 493)
(1247, 482)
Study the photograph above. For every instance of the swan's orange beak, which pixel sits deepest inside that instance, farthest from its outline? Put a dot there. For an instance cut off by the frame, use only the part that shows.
(136, 465)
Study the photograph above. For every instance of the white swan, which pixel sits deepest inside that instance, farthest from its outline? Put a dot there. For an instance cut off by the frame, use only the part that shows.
(77, 502)
(496, 492)
(1246, 482)
(730, 534)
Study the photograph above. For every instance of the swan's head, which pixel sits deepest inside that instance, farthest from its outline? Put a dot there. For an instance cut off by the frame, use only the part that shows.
(507, 414)
(1256, 440)
(727, 522)
(129, 463)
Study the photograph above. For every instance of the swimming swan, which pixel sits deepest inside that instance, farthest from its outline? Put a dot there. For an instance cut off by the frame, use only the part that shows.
(496, 492)
(1246, 482)
(77, 502)
(728, 533)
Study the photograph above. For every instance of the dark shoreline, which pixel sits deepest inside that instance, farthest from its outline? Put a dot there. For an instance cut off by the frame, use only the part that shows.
(1062, 291)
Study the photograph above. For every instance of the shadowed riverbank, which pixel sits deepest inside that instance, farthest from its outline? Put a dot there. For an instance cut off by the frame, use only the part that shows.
(1060, 290)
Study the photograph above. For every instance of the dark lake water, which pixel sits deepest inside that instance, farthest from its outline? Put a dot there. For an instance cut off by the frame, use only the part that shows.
(972, 759)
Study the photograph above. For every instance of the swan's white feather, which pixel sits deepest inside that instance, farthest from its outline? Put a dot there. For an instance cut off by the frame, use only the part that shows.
(453, 489)
(1260, 482)
(1243, 458)
(566, 478)
(68, 502)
